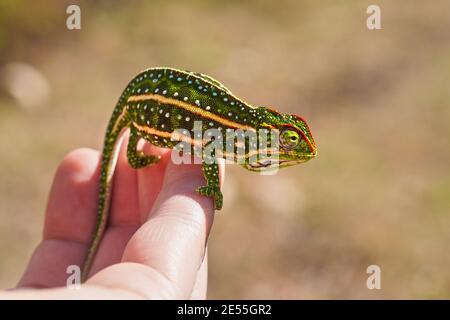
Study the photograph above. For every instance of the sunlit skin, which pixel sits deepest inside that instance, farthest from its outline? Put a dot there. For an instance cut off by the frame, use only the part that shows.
(150, 210)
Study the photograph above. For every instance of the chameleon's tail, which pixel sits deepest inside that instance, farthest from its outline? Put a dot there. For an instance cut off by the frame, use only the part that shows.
(118, 122)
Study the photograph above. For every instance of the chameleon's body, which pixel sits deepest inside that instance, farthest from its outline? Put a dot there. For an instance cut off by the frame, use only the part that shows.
(159, 101)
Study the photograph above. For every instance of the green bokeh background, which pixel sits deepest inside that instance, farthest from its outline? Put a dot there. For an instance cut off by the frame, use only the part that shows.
(376, 101)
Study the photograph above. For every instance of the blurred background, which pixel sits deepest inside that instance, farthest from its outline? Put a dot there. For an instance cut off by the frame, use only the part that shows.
(377, 102)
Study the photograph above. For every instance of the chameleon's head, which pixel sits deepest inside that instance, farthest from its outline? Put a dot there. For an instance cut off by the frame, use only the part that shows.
(295, 141)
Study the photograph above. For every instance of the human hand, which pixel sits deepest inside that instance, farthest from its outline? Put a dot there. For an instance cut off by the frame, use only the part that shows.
(154, 244)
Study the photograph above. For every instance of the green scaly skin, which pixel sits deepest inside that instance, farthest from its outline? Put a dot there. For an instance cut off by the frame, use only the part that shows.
(160, 100)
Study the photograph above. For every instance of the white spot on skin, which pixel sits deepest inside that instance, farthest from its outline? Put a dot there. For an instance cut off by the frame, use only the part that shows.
(187, 119)
(167, 115)
(175, 94)
(164, 91)
(185, 98)
(208, 107)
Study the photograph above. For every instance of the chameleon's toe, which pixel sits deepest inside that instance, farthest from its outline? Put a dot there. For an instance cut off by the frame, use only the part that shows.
(141, 160)
(147, 160)
(209, 191)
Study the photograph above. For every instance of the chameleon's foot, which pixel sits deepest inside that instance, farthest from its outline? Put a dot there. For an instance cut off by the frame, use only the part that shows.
(141, 160)
(214, 192)
(137, 159)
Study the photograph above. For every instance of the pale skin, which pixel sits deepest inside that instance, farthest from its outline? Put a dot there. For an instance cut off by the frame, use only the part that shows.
(154, 244)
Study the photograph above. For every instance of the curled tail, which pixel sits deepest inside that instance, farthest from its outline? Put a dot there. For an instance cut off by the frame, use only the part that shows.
(118, 122)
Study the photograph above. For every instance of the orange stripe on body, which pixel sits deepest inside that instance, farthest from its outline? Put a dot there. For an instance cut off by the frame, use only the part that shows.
(177, 136)
(194, 109)
(174, 136)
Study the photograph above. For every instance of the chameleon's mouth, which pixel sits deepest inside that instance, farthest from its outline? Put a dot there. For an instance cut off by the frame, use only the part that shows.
(262, 164)
(271, 163)
(267, 164)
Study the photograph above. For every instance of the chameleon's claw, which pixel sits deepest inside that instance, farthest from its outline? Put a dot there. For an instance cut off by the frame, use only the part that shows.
(214, 192)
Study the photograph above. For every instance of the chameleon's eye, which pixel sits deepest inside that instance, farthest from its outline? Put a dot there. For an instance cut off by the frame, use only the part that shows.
(289, 139)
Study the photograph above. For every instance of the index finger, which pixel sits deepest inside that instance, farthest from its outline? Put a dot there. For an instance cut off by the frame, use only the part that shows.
(172, 242)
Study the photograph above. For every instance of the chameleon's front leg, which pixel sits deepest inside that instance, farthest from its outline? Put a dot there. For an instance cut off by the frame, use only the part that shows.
(212, 188)
(137, 159)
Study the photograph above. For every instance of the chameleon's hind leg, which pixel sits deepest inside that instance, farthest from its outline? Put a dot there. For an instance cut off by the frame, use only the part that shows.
(212, 188)
(137, 159)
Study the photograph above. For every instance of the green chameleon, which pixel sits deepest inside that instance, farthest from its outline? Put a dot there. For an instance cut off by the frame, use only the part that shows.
(161, 101)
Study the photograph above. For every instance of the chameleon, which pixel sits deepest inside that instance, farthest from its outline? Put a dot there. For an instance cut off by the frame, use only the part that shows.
(160, 101)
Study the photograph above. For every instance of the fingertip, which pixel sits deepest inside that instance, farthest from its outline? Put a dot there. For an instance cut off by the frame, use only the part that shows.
(77, 165)
(72, 200)
(69, 219)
